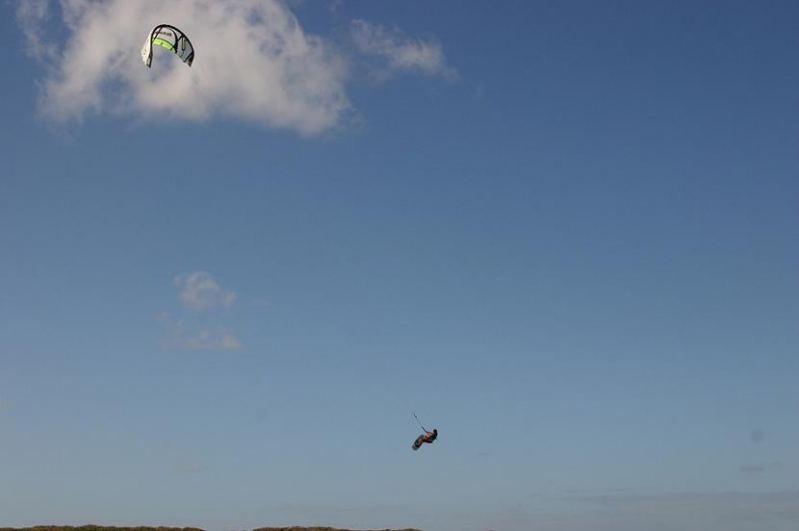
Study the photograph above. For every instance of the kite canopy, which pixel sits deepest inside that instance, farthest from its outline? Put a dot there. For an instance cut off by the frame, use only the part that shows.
(172, 39)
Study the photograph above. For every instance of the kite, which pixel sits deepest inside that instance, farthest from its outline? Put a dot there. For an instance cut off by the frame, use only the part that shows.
(172, 39)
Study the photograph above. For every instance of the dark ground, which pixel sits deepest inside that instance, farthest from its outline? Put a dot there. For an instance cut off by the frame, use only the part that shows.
(111, 528)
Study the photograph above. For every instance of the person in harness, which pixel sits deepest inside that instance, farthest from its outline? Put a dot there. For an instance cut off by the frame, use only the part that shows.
(427, 437)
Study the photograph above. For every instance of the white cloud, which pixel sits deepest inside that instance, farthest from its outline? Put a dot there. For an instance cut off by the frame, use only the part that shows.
(254, 62)
(200, 328)
(31, 15)
(208, 339)
(400, 52)
(197, 337)
(199, 291)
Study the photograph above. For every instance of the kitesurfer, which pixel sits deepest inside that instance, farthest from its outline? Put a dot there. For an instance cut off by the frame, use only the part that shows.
(427, 437)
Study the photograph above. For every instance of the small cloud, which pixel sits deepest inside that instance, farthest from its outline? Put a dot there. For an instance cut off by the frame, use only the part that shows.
(199, 291)
(399, 51)
(199, 328)
(31, 17)
(194, 337)
(207, 339)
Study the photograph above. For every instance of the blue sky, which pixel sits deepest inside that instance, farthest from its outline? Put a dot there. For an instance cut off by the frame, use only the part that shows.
(563, 233)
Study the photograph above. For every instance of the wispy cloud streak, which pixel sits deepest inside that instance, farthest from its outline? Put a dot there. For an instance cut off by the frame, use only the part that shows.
(400, 52)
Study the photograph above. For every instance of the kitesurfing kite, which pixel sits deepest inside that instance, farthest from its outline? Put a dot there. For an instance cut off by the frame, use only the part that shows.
(172, 39)
(427, 437)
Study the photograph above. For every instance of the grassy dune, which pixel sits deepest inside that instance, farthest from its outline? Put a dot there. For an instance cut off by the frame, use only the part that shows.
(96, 528)
(325, 529)
(111, 528)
